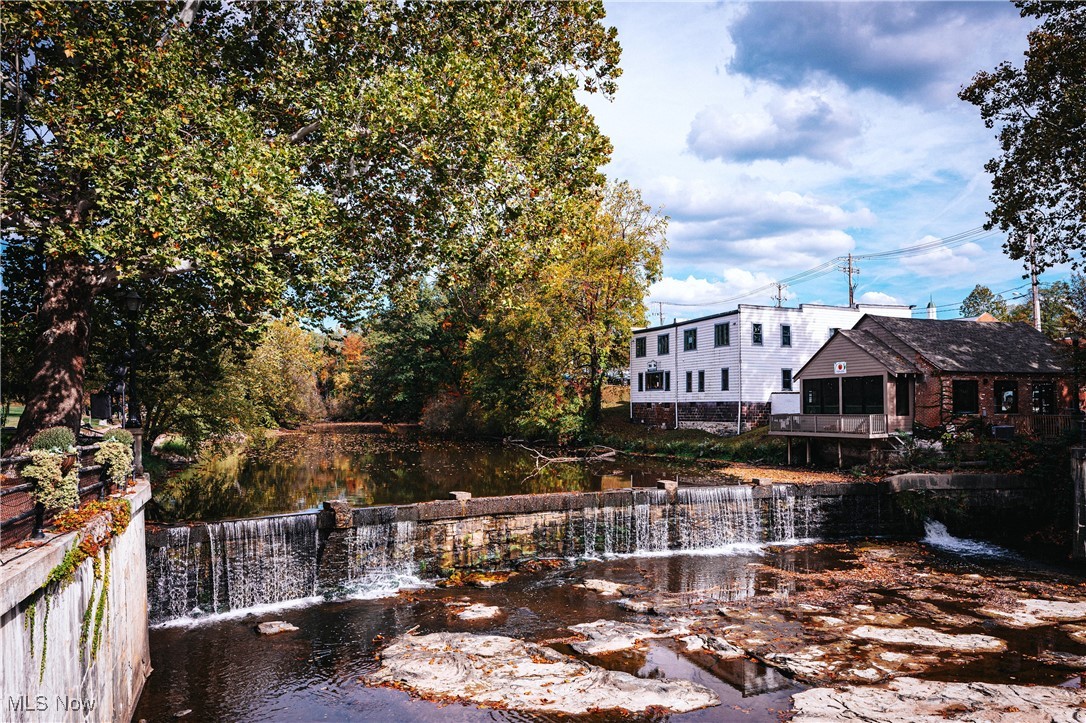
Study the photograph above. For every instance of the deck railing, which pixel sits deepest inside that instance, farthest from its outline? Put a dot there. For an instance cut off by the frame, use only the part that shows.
(1044, 426)
(864, 426)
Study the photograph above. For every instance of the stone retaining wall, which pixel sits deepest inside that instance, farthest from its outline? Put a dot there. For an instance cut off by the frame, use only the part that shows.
(71, 686)
(1078, 477)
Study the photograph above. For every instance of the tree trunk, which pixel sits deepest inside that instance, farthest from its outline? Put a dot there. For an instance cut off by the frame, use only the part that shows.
(60, 353)
(595, 386)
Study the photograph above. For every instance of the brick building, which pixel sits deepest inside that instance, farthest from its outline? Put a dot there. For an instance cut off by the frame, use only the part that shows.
(887, 375)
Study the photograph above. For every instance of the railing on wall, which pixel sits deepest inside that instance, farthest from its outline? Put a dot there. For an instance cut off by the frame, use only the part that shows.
(1044, 426)
(19, 515)
(865, 426)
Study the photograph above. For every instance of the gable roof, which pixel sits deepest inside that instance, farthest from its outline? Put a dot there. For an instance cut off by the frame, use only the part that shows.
(954, 346)
(879, 351)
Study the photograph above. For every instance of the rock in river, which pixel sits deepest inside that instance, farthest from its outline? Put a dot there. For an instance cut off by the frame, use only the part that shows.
(500, 671)
(929, 701)
(275, 627)
(608, 636)
(928, 638)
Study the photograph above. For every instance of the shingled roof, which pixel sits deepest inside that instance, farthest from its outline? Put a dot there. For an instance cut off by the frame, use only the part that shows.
(970, 347)
(879, 351)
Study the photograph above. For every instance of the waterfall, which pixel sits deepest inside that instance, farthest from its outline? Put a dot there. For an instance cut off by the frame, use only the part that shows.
(244, 564)
(232, 565)
(715, 517)
(381, 558)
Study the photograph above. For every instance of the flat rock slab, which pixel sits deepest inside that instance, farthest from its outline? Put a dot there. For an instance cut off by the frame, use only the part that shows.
(928, 638)
(609, 636)
(274, 627)
(1032, 613)
(505, 672)
(926, 701)
(478, 611)
(603, 587)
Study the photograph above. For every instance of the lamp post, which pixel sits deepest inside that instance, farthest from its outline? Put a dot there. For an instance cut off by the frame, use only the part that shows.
(133, 302)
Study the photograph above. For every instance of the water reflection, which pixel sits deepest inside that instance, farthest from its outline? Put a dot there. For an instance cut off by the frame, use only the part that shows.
(373, 466)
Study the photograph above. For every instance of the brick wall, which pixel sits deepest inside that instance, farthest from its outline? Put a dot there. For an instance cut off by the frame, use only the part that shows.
(935, 396)
(654, 413)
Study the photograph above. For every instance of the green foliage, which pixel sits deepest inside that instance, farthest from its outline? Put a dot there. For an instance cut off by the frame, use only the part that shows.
(118, 435)
(54, 439)
(1039, 183)
(53, 487)
(981, 300)
(250, 159)
(116, 457)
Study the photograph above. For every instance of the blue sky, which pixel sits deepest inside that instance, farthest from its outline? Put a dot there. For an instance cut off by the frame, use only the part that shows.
(780, 135)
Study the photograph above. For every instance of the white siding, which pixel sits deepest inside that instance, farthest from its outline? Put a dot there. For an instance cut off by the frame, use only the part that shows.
(760, 374)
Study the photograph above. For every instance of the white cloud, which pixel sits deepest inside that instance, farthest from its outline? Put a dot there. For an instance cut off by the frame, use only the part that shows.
(793, 124)
(877, 297)
(944, 261)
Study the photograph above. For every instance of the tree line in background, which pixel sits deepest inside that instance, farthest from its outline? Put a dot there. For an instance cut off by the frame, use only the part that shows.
(1063, 307)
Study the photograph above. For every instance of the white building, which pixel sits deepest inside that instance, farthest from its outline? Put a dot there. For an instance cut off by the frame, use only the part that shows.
(718, 372)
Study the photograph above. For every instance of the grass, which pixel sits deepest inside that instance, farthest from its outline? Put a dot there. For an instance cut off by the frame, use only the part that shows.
(616, 430)
(11, 418)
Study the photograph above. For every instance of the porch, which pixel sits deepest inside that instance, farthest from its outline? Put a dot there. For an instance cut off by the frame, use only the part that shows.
(852, 426)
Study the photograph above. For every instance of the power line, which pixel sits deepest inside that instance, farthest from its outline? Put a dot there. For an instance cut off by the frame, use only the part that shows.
(828, 267)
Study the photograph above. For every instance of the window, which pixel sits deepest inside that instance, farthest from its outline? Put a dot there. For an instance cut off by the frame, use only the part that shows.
(722, 334)
(1006, 396)
(690, 340)
(862, 395)
(701, 381)
(690, 381)
(820, 396)
(654, 381)
(667, 381)
(724, 380)
(640, 382)
(757, 335)
(786, 380)
(786, 335)
(901, 396)
(964, 396)
(1044, 398)
(663, 343)
(639, 346)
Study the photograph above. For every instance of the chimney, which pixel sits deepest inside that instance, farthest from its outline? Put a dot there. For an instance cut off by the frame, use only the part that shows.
(932, 311)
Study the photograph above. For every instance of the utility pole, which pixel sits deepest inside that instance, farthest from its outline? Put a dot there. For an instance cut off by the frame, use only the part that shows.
(852, 270)
(660, 311)
(1033, 282)
(780, 294)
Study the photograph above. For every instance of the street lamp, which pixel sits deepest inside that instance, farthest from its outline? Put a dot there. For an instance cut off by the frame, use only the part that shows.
(133, 302)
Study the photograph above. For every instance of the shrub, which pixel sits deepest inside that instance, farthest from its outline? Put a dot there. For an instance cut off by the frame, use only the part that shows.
(53, 487)
(118, 435)
(449, 414)
(54, 439)
(116, 457)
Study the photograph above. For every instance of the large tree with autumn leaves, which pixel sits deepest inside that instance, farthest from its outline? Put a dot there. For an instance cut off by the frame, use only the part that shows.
(239, 159)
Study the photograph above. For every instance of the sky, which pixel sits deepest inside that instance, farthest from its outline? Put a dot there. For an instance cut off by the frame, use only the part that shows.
(777, 136)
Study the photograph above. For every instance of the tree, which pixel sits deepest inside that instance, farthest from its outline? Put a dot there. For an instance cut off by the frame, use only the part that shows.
(1059, 317)
(981, 300)
(281, 156)
(1039, 181)
(605, 280)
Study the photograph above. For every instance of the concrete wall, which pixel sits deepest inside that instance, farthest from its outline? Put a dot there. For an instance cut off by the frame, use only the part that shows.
(71, 687)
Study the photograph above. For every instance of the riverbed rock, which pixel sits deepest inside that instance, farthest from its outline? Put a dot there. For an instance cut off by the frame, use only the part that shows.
(1032, 613)
(274, 627)
(928, 638)
(926, 701)
(494, 670)
(603, 587)
(636, 606)
(478, 611)
(714, 644)
(608, 636)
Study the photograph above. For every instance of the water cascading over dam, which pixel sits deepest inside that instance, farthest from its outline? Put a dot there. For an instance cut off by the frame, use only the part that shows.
(241, 564)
